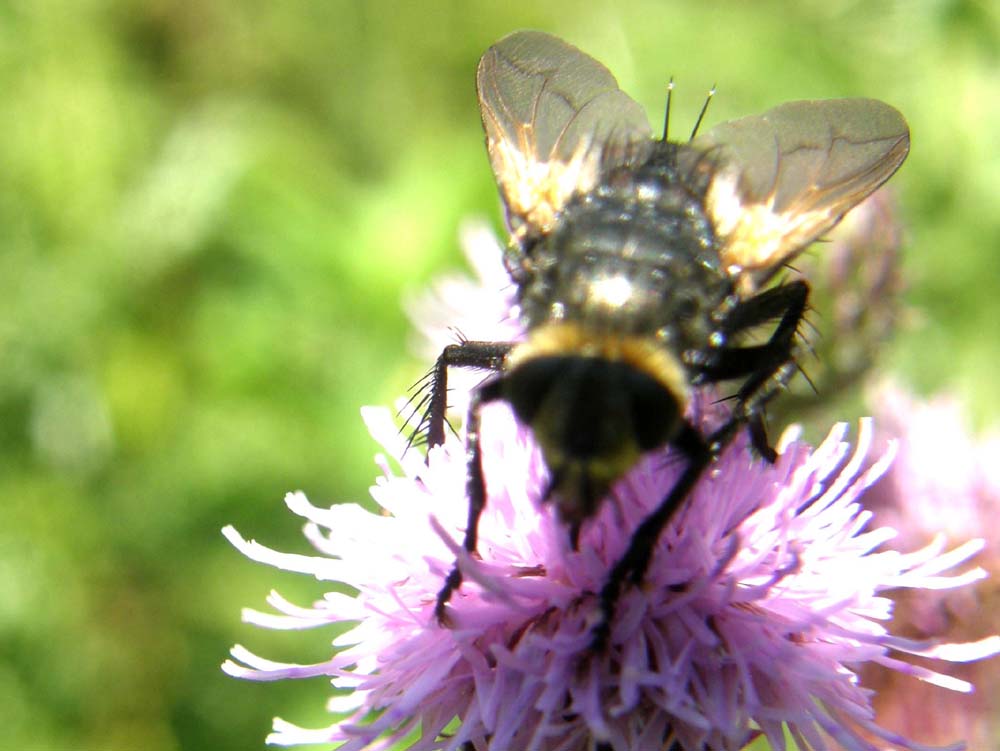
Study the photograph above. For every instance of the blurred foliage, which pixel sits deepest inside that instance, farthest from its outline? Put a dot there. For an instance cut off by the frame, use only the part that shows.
(209, 211)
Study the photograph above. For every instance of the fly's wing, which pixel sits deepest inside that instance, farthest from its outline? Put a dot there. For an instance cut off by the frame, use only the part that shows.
(783, 178)
(555, 121)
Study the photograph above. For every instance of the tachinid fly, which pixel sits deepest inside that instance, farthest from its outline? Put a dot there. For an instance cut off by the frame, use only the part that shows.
(641, 265)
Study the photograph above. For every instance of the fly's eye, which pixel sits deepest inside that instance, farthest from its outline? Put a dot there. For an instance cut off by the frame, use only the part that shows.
(655, 411)
(528, 385)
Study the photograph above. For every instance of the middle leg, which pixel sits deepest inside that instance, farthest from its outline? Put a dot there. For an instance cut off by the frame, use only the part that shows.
(766, 367)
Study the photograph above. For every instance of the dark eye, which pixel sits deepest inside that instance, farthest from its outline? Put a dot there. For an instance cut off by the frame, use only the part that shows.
(527, 386)
(655, 412)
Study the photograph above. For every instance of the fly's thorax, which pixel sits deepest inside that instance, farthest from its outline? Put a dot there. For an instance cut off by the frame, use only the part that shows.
(596, 403)
(635, 256)
(614, 295)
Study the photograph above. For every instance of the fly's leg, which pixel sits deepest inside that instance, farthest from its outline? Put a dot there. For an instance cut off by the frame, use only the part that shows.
(769, 305)
(767, 367)
(631, 567)
(484, 356)
(475, 490)
(465, 354)
(772, 377)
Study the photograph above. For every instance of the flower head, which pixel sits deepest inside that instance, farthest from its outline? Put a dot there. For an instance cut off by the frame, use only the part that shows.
(765, 596)
(944, 480)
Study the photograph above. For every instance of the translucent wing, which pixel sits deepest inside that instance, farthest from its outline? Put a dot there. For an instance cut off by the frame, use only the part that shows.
(555, 120)
(785, 177)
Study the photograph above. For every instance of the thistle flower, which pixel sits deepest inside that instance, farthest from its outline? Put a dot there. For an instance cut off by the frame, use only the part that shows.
(765, 597)
(943, 480)
(765, 592)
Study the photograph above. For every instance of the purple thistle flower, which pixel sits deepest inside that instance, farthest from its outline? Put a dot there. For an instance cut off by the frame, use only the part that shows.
(943, 480)
(765, 598)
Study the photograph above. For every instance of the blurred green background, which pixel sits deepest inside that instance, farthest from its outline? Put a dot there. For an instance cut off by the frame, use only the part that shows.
(209, 211)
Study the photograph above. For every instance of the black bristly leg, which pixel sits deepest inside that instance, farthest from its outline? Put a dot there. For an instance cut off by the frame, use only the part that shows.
(769, 379)
(465, 354)
(766, 367)
(631, 567)
(758, 437)
(761, 387)
(475, 490)
(725, 361)
(775, 302)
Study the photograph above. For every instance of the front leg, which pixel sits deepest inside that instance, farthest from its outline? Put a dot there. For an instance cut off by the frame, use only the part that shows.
(632, 566)
(465, 354)
(475, 490)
